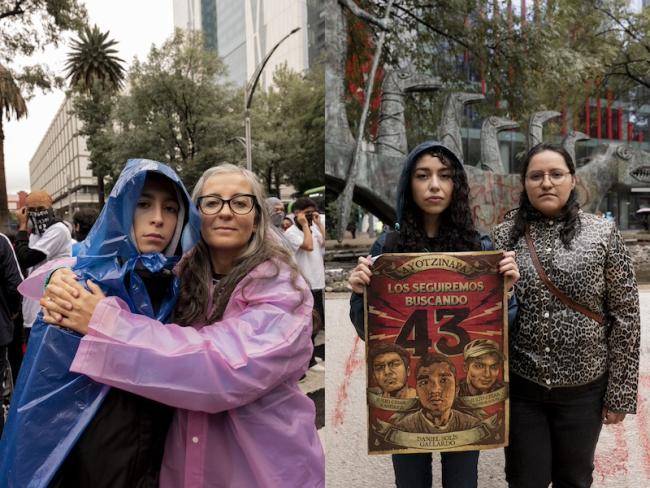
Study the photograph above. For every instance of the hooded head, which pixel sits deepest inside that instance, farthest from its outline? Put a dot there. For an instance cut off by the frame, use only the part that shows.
(456, 230)
(113, 235)
(40, 211)
(110, 254)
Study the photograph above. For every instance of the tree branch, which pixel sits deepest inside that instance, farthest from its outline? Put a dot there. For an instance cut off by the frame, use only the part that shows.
(383, 24)
(15, 10)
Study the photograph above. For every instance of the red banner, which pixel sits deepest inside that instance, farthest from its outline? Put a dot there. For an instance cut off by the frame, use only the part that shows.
(436, 353)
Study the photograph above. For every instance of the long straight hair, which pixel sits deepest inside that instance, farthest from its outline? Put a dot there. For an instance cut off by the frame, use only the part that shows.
(527, 213)
(195, 269)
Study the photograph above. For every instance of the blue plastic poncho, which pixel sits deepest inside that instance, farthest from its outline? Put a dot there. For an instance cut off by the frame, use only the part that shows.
(51, 407)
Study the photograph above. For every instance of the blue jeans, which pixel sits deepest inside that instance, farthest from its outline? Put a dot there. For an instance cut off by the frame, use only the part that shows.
(459, 470)
(553, 434)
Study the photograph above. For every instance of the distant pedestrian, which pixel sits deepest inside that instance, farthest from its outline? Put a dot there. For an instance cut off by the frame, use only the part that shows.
(50, 239)
(82, 222)
(307, 239)
(352, 228)
(276, 211)
(286, 223)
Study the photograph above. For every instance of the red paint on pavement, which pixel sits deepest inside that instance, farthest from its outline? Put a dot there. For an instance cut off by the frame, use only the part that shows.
(614, 461)
(642, 418)
(350, 366)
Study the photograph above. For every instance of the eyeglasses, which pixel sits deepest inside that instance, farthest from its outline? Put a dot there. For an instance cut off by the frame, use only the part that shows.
(556, 176)
(240, 204)
(392, 365)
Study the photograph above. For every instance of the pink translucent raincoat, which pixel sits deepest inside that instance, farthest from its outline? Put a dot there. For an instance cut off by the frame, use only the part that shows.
(241, 420)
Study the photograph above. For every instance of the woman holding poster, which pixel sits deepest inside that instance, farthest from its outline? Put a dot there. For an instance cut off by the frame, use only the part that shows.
(574, 354)
(433, 215)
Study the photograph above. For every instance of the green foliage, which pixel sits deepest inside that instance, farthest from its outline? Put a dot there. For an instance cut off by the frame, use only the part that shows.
(288, 130)
(93, 60)
(28, 26)
(12, 103)
(179, 110)
(175, 110)
(555, 57)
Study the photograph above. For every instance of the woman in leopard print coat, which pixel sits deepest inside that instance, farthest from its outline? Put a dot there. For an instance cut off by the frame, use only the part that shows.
(569, 373)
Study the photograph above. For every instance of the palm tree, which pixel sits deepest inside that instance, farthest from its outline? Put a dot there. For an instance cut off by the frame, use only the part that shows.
(12, 104)
(93, 66)
(93, 59)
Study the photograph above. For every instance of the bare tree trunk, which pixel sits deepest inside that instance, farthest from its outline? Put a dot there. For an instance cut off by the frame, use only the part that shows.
(100, 191)
(4, 201)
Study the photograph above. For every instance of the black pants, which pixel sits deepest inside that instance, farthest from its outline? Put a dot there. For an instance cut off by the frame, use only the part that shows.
(15, 348)
(3, 369)
(319, 324)
(553, 434)
(459, 470)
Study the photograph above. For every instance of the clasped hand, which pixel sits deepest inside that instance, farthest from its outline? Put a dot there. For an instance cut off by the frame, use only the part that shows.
(67, 303)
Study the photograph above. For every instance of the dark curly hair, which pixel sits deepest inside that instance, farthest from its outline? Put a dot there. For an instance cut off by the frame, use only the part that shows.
(456, 231)
(527, 213)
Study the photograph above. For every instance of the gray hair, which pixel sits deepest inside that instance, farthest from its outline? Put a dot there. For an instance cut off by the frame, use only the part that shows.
(262, 219)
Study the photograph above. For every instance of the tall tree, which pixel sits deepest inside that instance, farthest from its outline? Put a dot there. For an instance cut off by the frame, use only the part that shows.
(95, 72)
(12, 105)
(179, 110)
(93, 60)
(548, 59)
(288, 123)
(27, 27)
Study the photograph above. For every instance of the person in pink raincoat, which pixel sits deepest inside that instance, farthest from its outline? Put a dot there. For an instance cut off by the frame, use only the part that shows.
(231, 365)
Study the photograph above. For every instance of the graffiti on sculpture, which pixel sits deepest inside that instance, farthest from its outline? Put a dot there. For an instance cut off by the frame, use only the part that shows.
(493, 192)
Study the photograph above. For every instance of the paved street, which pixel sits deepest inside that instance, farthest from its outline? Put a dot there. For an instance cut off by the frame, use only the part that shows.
(622, 459)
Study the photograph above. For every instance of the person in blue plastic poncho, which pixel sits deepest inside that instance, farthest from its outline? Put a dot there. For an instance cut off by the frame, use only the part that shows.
(65, 430)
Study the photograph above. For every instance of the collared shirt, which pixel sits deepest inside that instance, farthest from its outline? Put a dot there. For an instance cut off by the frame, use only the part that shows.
(310, 263)
(553, 344)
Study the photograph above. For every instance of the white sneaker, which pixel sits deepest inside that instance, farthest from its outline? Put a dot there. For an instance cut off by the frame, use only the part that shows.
(317, 368)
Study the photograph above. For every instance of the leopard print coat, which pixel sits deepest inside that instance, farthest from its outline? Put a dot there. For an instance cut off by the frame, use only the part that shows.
(555, 345)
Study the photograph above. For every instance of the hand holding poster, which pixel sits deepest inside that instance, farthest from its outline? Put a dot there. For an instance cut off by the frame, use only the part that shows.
(436, 339)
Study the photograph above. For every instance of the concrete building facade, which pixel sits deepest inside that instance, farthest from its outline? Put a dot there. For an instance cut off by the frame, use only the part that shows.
(60, 165)
(243, 31)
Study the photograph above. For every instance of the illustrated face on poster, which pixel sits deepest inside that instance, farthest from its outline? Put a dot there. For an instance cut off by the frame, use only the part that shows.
(436, 387)
(390, 373)
(391, 368)
(483, 371)
(436, 356)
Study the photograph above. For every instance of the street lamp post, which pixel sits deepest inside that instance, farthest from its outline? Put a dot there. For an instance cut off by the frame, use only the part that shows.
(248, 97)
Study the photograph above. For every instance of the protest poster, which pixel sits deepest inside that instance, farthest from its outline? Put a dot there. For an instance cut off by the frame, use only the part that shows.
(436, 353)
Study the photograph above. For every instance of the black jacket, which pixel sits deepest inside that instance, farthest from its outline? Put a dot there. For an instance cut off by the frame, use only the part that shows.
(122, 447)
(10, 299)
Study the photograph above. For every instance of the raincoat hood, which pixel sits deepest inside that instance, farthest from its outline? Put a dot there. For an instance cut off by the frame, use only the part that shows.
(109, 254)
(51, 407)
(111, 233)
(404, 185)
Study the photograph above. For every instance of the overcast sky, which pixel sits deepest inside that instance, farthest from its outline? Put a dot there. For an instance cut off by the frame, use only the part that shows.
(136, 24)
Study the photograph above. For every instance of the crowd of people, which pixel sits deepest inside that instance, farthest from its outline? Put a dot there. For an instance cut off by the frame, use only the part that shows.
(166, 336)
